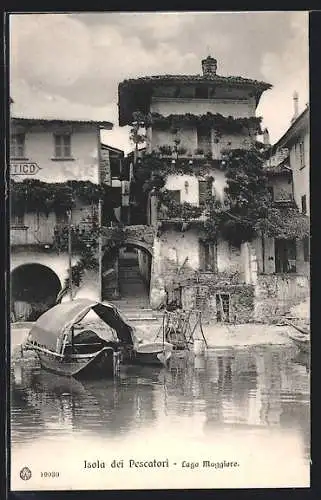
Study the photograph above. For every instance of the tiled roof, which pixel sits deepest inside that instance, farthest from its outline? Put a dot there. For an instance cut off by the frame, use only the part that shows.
(235, 80)
(135, 94)
(101, 123)
(294, 125)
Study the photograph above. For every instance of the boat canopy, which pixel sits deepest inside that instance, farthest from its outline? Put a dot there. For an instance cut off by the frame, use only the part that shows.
(50, 328)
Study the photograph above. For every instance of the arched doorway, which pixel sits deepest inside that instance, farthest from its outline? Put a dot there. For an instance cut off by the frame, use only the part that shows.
(34, 289)
(126, 275)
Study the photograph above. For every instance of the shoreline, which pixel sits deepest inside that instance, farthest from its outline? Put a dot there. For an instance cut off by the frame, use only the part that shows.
(217, 336)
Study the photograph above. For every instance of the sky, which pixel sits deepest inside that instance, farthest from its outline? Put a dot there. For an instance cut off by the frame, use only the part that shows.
(69, 65)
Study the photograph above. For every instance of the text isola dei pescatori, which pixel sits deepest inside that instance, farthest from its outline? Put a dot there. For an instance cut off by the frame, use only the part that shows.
(161, 464)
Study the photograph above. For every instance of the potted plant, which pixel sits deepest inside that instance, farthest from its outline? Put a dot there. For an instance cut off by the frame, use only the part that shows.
(199, 152)
(182, 151)
(165, 150)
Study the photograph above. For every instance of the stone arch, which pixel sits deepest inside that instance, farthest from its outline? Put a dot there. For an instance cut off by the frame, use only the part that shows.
(140, 245)
(34, 289)
(140, 236)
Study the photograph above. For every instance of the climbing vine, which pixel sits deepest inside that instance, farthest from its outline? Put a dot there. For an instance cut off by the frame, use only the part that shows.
(248, 209)
(33, 195)
(220, 123)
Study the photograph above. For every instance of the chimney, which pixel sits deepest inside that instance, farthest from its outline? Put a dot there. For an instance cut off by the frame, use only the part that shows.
(295, 106)
(209, 66)
(266, 137)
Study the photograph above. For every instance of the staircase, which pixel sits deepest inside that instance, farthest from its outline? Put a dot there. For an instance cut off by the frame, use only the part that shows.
(134, 302)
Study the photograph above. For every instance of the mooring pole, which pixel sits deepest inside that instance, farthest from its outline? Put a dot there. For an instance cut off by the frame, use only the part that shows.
(70, 256)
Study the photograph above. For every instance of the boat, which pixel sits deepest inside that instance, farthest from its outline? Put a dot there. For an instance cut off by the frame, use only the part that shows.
(300, 336)
(85, 338)
(301, 340)
(153, 353)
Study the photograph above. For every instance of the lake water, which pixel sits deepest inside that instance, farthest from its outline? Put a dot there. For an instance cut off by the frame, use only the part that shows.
(247, 406)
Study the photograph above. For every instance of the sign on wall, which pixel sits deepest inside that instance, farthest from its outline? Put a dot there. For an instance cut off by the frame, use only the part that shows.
(24, 168)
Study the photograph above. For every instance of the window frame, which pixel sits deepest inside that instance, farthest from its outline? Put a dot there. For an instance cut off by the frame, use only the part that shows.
(301, 154)
(304, 204)
(207, 257)
(17, 220)
(63, 146)
(282, 249)
(15, 145)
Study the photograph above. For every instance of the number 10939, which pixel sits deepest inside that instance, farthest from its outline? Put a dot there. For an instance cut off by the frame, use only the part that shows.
(49, 474)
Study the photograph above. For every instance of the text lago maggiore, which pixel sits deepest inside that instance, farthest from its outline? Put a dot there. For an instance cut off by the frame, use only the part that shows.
(165, 464)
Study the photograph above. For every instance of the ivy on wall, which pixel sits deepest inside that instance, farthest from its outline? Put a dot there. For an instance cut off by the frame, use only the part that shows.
(33, 195)
(247, 211)
(220, 123)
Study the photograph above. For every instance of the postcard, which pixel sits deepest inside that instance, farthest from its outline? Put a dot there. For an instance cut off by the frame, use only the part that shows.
(159, 250)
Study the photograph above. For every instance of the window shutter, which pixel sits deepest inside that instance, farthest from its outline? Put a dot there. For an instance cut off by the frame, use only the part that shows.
(58, 149)
(202, 191)
(207, 257)
(67, 148)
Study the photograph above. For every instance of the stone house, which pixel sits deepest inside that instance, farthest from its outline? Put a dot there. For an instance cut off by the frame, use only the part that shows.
(48, 152)
(284, 263)
(190, 122)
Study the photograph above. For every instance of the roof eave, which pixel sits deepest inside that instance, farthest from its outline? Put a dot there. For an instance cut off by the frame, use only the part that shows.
(286, 137)
(104, 125)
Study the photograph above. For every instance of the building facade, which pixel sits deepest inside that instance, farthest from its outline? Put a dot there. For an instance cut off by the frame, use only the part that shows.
(191, 122)
(46, 155)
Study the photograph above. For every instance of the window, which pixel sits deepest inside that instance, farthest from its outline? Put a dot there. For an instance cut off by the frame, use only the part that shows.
(17, 146)
(204, 139)
(301, 154)
(204, 188)
(304, 204)
(18, 220)
(62, 146)
(285, 256)
(61, 218)
(207, 257)
(116, 196)
(175, 195)
(115, 166)
(201, 92)
(306, 249)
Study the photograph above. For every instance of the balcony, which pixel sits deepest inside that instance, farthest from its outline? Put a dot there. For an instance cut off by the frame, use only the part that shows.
(175, 152)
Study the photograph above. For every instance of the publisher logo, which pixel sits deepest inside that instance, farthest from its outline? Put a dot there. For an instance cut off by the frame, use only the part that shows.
(25, 473)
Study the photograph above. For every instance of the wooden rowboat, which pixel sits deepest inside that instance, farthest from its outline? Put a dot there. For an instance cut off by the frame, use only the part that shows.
(66, 348)
(300, 336)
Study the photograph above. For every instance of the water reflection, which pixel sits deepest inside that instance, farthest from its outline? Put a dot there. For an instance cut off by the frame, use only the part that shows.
(254, 388)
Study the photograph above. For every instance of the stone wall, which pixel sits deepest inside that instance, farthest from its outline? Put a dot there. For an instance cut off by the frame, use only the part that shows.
(276, 294)
(202, 295)
(176, 258)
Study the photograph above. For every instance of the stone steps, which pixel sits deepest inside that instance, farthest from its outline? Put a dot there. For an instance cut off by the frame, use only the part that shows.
(138, 313)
